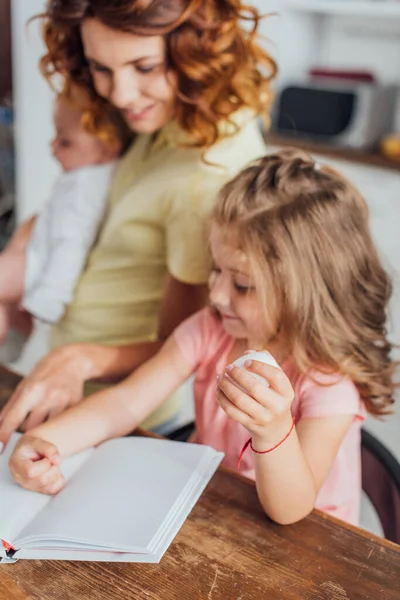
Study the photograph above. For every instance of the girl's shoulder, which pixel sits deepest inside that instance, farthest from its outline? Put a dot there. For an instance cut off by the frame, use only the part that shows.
(205, 324)
(319, 394)
(202, 336)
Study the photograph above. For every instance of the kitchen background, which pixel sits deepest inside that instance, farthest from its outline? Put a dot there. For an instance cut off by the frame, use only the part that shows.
(355, 44)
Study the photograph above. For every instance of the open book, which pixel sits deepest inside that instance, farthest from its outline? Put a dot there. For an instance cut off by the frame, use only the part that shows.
(123, 501)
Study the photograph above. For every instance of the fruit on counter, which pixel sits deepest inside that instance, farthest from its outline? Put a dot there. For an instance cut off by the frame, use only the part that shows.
(390, 146)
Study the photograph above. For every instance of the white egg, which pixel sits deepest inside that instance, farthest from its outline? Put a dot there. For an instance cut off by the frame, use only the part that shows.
(264, 357)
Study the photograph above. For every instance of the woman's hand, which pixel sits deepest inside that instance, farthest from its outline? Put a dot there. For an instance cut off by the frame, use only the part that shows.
(264, 410)
(34, 465)
(55, 383)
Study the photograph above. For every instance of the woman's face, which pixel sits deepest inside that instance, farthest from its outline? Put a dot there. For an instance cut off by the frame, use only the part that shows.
(131, 72)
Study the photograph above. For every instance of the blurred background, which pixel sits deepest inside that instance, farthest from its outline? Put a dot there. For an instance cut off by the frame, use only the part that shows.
(337, 89)
(337, 95)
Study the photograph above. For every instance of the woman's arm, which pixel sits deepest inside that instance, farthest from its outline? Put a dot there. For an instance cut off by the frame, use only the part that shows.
(108, 414)
(110, 363)
(57, 381)
(180, 301)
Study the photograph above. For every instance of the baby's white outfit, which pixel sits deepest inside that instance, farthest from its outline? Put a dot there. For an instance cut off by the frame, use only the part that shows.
(62, 237)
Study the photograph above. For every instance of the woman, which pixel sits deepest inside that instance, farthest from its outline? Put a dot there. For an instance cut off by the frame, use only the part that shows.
(190, 80)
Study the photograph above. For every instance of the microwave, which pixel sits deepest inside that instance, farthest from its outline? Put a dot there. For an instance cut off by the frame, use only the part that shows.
(340, 112)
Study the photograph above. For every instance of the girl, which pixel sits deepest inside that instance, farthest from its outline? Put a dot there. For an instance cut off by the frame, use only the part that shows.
(295, 272)
(190, 80)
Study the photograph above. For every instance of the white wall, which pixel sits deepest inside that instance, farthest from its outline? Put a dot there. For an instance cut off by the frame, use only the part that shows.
(304, 39)
(363, 43)
(296, 40)
(32, 101)
(291, 38)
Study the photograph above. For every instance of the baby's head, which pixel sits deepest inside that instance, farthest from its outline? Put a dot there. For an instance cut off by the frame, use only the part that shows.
(304, 230)
(78, 145)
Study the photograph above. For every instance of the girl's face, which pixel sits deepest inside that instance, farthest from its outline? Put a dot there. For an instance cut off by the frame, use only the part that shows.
(131, 72)
(233, 291)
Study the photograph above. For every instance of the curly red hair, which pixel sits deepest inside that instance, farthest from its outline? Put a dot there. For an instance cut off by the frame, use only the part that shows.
(219, 64)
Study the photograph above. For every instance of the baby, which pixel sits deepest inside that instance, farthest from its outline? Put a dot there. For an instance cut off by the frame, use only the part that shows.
(40, 273)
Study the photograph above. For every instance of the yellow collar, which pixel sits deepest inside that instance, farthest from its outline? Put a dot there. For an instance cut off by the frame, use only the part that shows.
(173, 135)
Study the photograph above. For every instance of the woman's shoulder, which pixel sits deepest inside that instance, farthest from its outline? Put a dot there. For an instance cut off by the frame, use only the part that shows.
(202, 173)
(240, 143)
(188, 172)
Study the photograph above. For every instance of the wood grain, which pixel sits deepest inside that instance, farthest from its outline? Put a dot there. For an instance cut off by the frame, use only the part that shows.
(226, 550)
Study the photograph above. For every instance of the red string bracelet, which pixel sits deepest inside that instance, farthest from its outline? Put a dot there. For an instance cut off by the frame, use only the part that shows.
(249, 443)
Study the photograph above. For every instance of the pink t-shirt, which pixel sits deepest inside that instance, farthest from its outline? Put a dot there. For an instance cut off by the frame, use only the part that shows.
(206, 346)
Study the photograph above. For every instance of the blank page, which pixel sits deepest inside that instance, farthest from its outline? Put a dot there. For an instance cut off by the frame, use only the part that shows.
(121, 496)
(17, 505)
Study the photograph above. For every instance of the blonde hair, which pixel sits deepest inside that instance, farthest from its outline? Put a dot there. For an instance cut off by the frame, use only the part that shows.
(305, 228)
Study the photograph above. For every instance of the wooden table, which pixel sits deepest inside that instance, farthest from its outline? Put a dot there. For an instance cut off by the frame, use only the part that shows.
(226, 550)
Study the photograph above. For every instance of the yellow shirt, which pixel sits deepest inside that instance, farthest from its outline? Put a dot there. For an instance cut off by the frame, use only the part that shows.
(156, 223)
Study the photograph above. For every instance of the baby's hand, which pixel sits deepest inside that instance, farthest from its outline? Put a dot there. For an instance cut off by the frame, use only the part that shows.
(263, 408)
(34, 465)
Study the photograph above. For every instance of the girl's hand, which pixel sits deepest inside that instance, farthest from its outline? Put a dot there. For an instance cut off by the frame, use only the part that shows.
(34, 465)
(55, 383)
(263, 410)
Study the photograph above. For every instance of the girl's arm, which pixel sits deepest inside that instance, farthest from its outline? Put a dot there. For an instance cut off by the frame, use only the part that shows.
(289, 477)
(57, 381)
(108, 414)
(118, 410)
